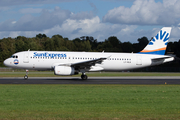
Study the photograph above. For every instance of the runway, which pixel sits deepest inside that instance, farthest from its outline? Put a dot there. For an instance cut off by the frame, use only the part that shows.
(92, 80)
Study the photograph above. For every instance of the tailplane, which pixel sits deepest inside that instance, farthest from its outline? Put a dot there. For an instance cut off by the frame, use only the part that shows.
(159, 43)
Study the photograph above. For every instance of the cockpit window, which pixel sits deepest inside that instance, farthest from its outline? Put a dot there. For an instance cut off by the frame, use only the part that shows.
(14, 56)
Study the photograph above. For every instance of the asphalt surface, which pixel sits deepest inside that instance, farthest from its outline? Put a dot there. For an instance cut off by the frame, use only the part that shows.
(91, 80)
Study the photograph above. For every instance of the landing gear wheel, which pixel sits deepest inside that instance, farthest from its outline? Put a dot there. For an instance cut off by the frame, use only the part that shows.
(84, 77)
(25, 77)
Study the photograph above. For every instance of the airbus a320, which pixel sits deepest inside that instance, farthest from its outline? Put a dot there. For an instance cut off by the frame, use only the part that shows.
(72, 63)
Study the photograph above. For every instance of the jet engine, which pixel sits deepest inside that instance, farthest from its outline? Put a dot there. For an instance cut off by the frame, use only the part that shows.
(64, 70)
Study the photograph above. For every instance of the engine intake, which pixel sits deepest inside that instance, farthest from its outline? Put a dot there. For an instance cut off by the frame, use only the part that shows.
(64, 70)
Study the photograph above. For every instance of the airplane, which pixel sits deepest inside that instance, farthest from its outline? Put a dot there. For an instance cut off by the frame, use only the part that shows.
(71, 63)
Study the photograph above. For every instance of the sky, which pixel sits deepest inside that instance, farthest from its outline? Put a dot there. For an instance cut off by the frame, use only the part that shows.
(128, 20)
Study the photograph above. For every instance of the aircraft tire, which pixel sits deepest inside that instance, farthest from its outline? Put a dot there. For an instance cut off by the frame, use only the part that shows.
(25, 77)
(84, 77)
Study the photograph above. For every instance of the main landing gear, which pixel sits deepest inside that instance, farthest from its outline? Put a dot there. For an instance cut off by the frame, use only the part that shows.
(26, 76)
(84, 77)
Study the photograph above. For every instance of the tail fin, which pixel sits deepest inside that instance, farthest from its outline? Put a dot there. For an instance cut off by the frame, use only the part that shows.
(159, 43)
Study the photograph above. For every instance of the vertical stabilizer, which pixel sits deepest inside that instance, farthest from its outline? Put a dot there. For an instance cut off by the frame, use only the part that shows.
(159, 43)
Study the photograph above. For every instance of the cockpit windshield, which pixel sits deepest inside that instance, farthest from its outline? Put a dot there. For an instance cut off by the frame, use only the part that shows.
(14, 56)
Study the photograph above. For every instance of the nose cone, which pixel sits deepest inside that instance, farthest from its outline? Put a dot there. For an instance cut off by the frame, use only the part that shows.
(6, 62)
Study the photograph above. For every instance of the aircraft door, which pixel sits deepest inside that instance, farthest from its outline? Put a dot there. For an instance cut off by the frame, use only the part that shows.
(138, 60)
(26, 57)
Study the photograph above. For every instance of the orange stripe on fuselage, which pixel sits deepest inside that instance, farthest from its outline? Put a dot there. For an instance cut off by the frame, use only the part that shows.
(154, 50)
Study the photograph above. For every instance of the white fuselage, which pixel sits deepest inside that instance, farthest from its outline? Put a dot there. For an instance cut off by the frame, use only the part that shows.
(47, 60)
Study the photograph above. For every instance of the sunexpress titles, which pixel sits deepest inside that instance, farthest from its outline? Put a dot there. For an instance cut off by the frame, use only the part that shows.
(46, 54)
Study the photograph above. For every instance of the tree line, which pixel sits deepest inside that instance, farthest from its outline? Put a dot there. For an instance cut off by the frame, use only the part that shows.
(41, 42)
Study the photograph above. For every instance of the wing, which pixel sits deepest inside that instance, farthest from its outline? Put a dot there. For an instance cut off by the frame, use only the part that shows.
(87, 64)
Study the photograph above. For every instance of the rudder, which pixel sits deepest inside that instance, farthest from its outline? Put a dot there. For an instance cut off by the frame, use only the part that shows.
(159, 43)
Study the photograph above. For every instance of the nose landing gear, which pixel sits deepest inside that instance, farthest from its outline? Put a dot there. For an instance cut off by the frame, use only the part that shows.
(26, 76)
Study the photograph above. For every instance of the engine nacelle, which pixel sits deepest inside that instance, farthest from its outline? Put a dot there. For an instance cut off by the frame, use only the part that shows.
(64, 70)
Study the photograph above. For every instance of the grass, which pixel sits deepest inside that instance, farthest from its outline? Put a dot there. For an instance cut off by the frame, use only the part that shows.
(90, 74)
(79, 102)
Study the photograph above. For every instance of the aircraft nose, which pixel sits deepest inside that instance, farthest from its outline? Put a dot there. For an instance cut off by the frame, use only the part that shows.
(6, 62)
